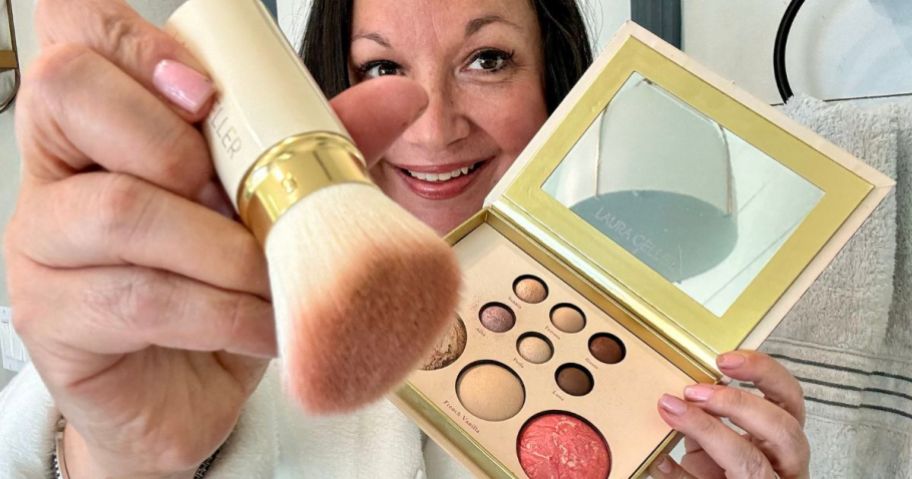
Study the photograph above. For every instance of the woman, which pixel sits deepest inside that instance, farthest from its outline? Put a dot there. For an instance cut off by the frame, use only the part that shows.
(151, 351)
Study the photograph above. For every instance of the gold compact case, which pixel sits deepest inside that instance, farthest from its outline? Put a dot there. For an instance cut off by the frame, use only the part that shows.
(660, 217)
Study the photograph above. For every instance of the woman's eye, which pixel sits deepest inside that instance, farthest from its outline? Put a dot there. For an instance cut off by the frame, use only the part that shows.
(379, 69)
(490, 61)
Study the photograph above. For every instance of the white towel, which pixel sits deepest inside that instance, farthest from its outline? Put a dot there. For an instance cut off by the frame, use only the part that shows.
(27, 420)
(855, 364)
(899, 332)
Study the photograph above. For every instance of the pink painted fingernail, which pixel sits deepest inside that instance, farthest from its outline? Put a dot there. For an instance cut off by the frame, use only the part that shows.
(699, 392)
(672, 404)
(664, 465)
(730, 360)
(183, 85)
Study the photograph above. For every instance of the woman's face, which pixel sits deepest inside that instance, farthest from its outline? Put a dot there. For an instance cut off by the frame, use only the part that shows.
(481, 63)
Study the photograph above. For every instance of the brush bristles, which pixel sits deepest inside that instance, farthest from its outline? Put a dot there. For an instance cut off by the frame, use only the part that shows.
(361, 291)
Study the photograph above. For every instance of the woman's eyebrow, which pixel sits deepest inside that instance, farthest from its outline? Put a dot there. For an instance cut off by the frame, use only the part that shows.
(473, 27)
(477, 24)
(376, 37)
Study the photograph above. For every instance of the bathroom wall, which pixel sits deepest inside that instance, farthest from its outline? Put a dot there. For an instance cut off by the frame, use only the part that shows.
(9, 157)
(837, 49)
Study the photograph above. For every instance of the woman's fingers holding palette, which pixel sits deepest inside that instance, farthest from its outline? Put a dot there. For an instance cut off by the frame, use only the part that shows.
(777, 384)
(732, 452)
(666, 468)
(700, 464)
(776, 432)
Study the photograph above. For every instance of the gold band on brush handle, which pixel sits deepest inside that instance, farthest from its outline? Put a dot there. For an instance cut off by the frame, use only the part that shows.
(291, 170)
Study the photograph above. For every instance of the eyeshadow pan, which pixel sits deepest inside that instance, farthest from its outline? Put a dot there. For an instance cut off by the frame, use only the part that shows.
(561, 445)
(573, 379)
(607, 348)
(490, 391)
(448, 348)
(497, 317)
(535, 348)
(568, 318)
(530, 289)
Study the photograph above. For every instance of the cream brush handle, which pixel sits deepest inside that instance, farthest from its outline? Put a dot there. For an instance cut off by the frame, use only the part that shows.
(267, 108)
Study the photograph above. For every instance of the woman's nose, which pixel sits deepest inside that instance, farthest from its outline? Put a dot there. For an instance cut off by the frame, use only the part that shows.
(443, 123)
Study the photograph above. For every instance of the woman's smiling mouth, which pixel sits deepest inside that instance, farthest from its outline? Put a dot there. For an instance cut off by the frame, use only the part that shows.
(439, 177)
(440, 182)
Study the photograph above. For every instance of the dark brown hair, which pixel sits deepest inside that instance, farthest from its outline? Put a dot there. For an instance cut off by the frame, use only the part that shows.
(326, 46)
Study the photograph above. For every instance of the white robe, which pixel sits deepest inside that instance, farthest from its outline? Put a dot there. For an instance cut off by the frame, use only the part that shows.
(271, 439)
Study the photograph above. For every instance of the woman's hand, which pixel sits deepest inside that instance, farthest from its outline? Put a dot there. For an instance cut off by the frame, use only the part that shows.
(774, 444)
(145, 311)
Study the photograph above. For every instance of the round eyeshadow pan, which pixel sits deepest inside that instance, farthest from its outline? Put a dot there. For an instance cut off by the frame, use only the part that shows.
(607, 348)
(557, 444)
(490, 391)
(448, 348)
(497, 317)
(530, 289)
(568, 318)
(535, 348)
(574, 380)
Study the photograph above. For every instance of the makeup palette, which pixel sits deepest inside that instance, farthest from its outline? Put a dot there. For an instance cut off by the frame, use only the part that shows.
(659, 218)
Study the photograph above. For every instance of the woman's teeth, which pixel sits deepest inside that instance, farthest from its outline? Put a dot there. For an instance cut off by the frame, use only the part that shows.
(438, 177)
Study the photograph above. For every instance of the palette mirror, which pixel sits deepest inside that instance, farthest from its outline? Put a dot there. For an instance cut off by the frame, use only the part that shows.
(686, 196)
